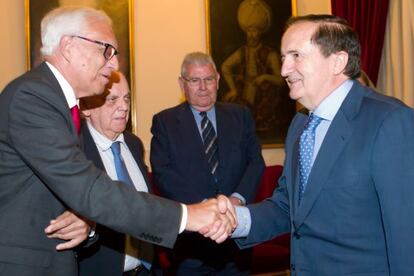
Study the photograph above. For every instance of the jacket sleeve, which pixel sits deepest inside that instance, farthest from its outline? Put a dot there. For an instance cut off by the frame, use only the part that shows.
(40, 132)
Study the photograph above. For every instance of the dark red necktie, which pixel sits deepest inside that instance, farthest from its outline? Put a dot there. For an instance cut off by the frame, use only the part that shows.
(76, 118)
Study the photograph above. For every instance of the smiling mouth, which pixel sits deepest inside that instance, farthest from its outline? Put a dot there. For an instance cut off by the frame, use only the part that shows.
(120, 119)
(291, 81)
(107, 77)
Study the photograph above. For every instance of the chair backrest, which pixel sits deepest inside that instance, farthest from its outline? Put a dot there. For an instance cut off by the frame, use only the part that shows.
(269, 182)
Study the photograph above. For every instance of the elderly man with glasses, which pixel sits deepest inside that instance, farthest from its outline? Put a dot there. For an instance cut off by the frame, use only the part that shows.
(44, 172)
(200, 149)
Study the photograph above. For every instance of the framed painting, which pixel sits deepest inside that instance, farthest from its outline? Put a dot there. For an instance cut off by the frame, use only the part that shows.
(243, 37)
(121, 13)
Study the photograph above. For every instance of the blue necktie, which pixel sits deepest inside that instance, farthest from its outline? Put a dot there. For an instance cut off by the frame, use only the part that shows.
(120, 168)
(210, 144)
(306, 145)
(123, 175)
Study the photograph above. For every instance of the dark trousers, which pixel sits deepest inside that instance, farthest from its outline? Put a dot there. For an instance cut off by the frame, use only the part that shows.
(196, 255)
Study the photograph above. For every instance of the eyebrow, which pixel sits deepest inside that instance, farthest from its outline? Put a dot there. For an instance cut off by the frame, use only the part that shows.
(291, 52)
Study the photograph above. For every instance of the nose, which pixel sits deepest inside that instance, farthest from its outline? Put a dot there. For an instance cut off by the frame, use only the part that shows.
(123, 104)
(286, 67)
(203, 85)
(113, 62)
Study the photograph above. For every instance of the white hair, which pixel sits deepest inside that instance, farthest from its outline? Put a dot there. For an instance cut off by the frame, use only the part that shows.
(196, 58)
(68, 20)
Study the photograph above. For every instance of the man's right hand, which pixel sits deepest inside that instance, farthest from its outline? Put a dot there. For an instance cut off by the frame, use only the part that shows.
(214, 218)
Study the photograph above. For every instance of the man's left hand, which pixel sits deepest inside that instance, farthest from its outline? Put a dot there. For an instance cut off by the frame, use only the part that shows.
(70, 227)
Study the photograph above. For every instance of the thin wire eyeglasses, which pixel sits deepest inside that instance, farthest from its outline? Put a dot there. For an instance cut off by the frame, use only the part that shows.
(196, 82)
(109, 52)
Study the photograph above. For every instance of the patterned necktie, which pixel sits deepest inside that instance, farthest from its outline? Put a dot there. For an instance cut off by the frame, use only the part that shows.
(120, 168)
(76, 118)
(210, 144)
(306, 145)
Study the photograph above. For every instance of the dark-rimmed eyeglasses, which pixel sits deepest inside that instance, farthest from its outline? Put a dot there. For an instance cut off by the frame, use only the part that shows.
(109, 52)
(195, 82)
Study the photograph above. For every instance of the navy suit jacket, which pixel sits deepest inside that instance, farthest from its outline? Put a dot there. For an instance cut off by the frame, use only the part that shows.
(44, 172)
(107, 255)
(179, 164)
(356, 217)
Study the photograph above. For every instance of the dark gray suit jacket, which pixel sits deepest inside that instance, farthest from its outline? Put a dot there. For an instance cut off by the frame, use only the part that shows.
(43, 172)
(107, 255)
(356, 217)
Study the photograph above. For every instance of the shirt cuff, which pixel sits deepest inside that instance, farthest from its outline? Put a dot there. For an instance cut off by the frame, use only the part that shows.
(244, 222)
(184, 218)
(91, 233)
(239, 196)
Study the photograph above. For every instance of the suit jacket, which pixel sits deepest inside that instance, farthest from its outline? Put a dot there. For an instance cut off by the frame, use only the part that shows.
(180, 167)
(181, 170)
(356, 214)
(43, 172)
(107, 255)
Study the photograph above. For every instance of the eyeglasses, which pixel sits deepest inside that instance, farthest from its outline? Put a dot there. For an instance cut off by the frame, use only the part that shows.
(196, 82)
(109, 51)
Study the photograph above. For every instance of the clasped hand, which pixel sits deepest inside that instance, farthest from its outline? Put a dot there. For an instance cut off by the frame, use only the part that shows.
(214, 218)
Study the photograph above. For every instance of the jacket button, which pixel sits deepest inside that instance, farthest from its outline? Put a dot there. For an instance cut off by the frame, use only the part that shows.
(292, 267)
(297, 235)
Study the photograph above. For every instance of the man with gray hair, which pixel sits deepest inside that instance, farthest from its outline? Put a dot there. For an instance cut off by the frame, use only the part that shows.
(200, 149)
(44, 172)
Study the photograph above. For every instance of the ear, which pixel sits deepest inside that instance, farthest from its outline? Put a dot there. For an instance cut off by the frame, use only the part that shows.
(181, 83)
(86, 113)
(340, 62)
(66, 47)
(218, 80)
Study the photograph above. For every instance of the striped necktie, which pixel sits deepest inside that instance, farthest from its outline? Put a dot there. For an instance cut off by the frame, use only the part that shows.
(210, 144)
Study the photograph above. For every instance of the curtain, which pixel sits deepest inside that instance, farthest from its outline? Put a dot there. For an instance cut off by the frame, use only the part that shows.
(368, 18)
(396, 77)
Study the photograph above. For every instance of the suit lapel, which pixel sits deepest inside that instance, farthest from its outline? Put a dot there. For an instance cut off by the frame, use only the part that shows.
(294, 189)
(89, 147)
(190, 136)
(137, 153)
(338, 135)
(62, 104)
(224, 134)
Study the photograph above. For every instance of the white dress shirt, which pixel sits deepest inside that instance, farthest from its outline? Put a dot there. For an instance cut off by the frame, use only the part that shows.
(104, 148)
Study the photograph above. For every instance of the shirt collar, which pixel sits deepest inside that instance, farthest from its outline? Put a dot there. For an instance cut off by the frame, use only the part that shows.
(328, 108)
(64, 84)
(211, 114)
(101, 140)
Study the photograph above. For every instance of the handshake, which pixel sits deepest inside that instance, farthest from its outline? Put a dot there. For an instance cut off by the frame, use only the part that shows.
(214, 218)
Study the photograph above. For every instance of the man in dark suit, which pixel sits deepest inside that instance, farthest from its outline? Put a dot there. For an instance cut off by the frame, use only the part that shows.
(44, 172)
(346, 192)
(106, 118)
(185, 169)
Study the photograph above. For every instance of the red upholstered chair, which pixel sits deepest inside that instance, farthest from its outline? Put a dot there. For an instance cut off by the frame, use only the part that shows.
(273, 255)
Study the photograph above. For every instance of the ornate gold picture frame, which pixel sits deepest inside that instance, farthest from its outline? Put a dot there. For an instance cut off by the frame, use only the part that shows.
(243, 37)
